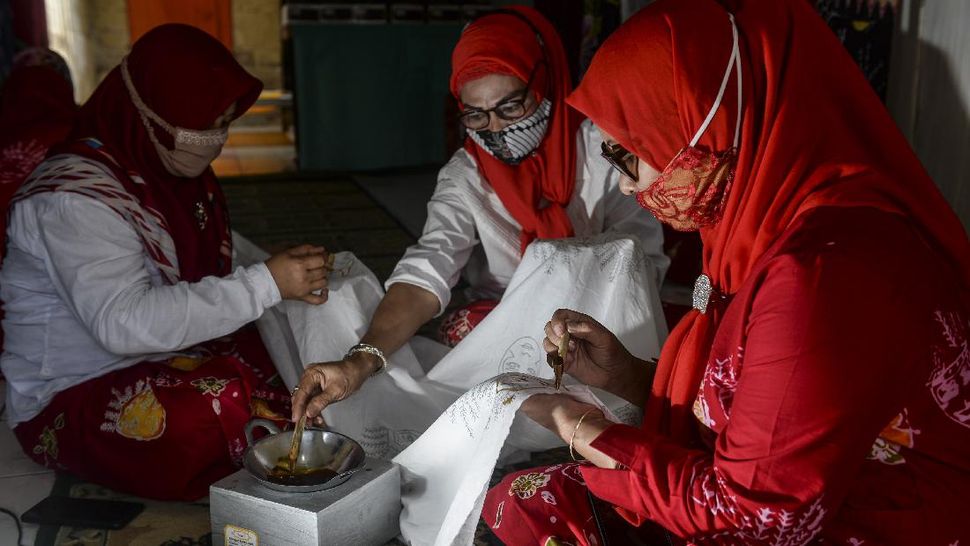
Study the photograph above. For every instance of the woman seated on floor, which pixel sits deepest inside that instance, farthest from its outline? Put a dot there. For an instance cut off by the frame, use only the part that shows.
(820, 390)
(37, 110)
(125, 358)
(530, 169)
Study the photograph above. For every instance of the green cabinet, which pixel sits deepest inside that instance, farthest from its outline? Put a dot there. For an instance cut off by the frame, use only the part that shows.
(371, 95)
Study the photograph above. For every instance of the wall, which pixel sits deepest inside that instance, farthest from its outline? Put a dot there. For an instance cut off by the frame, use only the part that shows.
(929, 92)
(256, 39)
(93, 36)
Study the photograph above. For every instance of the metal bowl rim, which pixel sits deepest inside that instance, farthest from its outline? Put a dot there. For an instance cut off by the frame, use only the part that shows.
(249, 461)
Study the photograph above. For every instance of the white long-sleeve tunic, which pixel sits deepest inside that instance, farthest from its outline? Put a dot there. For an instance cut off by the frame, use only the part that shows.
(468, 229)
(81, 299)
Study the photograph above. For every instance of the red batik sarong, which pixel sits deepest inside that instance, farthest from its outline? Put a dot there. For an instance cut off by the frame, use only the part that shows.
(165, 429)
(551, 506)
(462, 321)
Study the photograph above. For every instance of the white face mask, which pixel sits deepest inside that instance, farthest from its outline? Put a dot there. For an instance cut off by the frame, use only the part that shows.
(514, 143)
(194, 150)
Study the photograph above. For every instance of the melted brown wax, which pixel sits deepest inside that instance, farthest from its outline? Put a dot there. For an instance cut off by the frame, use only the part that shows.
(301, 476)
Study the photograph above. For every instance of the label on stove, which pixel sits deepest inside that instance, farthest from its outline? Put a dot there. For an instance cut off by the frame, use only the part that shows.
(237, 536)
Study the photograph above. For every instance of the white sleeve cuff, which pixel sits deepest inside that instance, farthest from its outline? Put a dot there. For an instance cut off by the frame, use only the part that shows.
(408, 275)
(259, 277)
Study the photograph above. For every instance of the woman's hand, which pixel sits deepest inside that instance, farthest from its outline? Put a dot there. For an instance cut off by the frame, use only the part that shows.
(299, 272)
(556, 412)
(561, 413)
(328, 382)
(597, 358)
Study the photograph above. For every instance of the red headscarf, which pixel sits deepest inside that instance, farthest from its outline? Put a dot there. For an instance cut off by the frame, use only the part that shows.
(189, 79)
(813, 134)
(37, 102)
(36, 110)
(504, 44)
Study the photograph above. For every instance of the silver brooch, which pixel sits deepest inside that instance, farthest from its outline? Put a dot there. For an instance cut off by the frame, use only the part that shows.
(702, 293)
(200, 215)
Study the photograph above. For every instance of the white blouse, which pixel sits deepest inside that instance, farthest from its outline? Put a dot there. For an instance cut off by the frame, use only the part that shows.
(469, 229)
(81, 299)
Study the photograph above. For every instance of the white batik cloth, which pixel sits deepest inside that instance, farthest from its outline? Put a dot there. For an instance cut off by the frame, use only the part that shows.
(608, 277)
(445, 472)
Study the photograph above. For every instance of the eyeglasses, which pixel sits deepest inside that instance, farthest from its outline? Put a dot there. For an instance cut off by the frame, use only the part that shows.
(621, 159)
(508, 110)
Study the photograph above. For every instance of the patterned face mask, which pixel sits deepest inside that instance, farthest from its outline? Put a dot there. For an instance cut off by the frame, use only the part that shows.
(194, 150)
(514, 143)
(690, 192)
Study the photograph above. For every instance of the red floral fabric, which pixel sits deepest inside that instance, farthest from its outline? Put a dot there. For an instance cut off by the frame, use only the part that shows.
(833, 408)
(839, 262)
(552, 507)
(533, 503)
(460, 322)
(805, 142)
(162, 430)
(692, 189)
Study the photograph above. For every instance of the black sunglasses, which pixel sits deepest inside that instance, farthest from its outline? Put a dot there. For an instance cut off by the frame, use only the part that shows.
(508, 110)
(621, 159)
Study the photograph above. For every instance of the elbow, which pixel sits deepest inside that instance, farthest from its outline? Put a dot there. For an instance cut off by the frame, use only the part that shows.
(118, 337)
(111, 335)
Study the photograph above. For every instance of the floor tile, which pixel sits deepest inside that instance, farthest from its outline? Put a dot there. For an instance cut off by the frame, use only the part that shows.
(13, 460)
(17, 495)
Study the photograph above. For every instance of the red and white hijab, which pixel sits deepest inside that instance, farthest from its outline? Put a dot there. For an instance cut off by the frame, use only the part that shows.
(189, 79)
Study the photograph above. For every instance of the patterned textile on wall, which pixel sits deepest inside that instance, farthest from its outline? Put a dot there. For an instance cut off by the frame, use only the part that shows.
(865, 28)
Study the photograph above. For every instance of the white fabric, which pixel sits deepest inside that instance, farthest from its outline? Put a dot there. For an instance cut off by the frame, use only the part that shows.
(456, 441)
(273, 326)
(469, 229)
(82, 299)
(445, 473)
(608, 277)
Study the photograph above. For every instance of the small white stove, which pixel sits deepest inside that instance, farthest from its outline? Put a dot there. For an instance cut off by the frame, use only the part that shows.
(362, 511)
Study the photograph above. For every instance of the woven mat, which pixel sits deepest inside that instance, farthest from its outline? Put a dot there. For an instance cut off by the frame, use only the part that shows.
(160, 524)
(280, 211)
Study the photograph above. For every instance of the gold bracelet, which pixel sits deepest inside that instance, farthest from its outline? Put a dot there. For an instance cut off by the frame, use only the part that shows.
(575, 430)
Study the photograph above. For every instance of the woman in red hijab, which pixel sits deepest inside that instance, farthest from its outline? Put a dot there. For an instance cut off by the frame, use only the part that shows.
(126, 357)
(530, 168)
(819, 390)
(36, 110)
